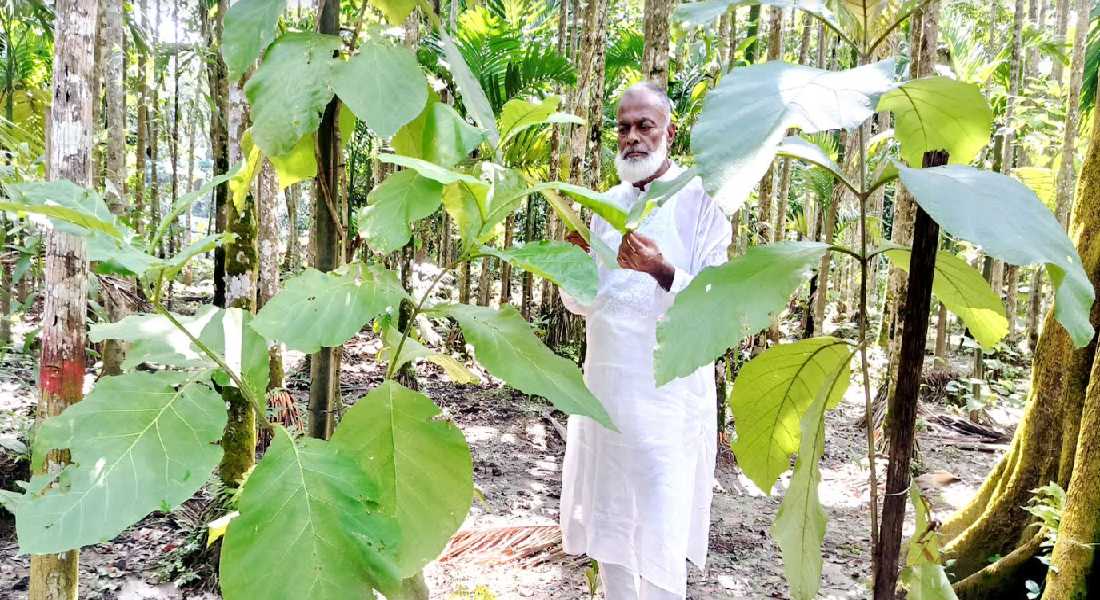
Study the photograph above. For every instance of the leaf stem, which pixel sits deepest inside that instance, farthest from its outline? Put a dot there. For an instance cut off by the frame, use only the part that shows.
(261, 417)
(864, 367)
(416, 311)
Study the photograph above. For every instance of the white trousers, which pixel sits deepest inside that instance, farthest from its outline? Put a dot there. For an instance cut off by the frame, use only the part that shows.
(620, 583)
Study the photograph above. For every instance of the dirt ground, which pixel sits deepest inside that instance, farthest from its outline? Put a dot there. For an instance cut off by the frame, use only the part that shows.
(517, 452)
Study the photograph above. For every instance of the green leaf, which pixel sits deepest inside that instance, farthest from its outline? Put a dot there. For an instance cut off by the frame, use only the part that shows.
(561, 262)
(507, 348)
(414, 350)
(463, 201)
(421, 467)
(964, 292)
(866, 23)
(291, 89)
(724, 304)
(316, 309)
(250, 25)
(518, 115)
(395, 10)
(431, 170)
(473, 97)
(401, 200)
(139, 442)
(62, 201)
(300, 164)
(1009, 222)
(155, 340)
(747, 115)
(438, 135)
(771, 394)
(383, 85)
(799, 526)
(309, 527)
(939, 113)
(794, 146)
(924, 576)
(565, 212)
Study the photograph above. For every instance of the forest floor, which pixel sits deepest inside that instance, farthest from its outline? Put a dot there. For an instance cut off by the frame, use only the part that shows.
(517, 450)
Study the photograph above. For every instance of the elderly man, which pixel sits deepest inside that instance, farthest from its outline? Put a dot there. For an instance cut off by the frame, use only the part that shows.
(638, 501)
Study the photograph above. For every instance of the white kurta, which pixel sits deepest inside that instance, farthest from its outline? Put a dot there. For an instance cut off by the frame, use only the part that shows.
(641, 497)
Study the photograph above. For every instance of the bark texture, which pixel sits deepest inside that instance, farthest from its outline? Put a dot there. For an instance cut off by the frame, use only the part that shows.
(63, 359)
(656, 33)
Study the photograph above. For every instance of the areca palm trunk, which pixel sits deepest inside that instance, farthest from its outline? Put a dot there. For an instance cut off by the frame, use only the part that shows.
(63, 358)
(656, 34)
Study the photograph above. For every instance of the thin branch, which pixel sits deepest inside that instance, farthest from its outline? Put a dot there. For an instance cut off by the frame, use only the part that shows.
(416, 312)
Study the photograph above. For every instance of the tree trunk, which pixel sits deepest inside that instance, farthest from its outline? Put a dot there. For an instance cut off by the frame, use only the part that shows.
(484, 282)
(1061, 20)
(506, 268)
(141, 149)
(63, 358)
(1035, 304)
(1066, 171)
(942, 323)
(293, 245)
(751, 31)
(655, 32)
(903, 403)
(112, 351)
(327, 241)
(218, 83)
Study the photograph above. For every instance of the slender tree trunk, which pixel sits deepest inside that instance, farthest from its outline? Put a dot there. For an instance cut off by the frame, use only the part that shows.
(484, 282)
(655, 32)
(218, 84)
(141, 149)
(112, 351)
(942, 324)
(293, 245)
(506, 268)
(903, 402)
(327, 240)
(1035, 304)
(63, 358)
(751, 31)
(1066, 171)
(1061, 20)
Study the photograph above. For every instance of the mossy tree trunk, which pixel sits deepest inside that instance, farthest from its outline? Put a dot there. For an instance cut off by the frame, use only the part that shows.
(1056, 441)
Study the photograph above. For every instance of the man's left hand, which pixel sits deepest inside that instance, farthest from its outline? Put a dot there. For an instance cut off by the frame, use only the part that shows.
(639, 253)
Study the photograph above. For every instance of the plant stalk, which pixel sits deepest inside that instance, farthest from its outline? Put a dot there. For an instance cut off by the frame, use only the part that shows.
(416, 311)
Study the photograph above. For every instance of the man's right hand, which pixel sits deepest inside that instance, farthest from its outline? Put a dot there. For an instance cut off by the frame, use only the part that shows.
(574, 237)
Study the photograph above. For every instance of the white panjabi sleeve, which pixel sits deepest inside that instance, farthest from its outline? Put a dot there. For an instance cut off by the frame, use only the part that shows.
(706, 230)
(573, 305)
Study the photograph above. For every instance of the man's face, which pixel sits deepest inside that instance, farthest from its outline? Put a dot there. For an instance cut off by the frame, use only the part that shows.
(643, 122)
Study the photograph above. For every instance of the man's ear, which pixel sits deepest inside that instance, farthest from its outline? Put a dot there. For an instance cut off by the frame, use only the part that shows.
(671, 132)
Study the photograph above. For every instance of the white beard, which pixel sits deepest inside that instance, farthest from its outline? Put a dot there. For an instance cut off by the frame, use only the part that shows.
(633, 170)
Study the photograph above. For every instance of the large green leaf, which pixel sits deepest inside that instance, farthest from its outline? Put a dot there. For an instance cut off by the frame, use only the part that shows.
(65, 203)
(323, 310)
(924, 576)
(250, 25)
(309, 527)
(291, 88)
(655, 197)
(139, 442)
(519, 114)
(799, 526)
(438, 135)
(154, 339)
(383, 85)
(1042, 181)
(867, 22)
(746, 116)
(724, 304)
(573, 221)
(240, 183)
(794, 146)
(561, 262)
(507, 348)
(1009, 222)
(964, 292)
(771, 394)
(420, 464)
(402, 199)
(473, 97)
(414, 350)
(939, 113)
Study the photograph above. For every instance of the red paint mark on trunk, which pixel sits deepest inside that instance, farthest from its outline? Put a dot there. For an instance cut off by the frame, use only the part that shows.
(65, 381)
